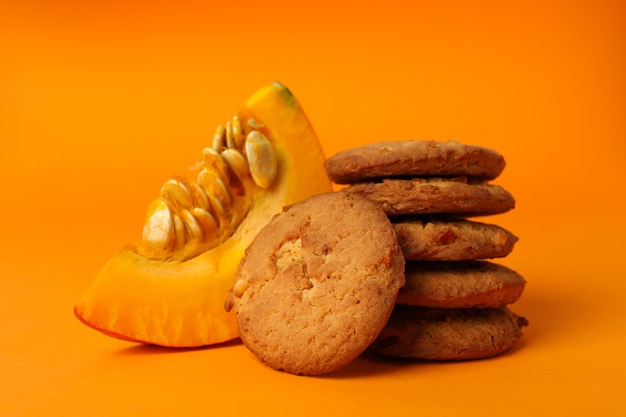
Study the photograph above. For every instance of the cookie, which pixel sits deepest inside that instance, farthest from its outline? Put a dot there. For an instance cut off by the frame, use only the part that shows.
(318, 283)
(435, 239)
(413, 158)
(454, 196)
(460, 285)
(449, 334)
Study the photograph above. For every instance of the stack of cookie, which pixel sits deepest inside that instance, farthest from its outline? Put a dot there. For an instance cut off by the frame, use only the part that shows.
(454, 305)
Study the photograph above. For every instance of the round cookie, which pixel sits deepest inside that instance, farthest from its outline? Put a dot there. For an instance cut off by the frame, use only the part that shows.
(449, 334)
(318, 283)
(413, 158)
(451, 239)
(436, 195)
(460, 285)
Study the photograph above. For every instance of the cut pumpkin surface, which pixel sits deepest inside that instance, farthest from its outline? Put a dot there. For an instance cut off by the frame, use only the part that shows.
(169, 289)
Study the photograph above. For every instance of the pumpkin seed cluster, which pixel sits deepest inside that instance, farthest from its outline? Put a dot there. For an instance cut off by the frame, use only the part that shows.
(189, 217)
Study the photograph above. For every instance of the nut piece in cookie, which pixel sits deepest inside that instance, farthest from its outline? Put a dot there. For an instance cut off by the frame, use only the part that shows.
(318, 284)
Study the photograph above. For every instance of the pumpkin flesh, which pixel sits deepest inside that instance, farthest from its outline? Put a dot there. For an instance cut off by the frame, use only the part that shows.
(179, 301)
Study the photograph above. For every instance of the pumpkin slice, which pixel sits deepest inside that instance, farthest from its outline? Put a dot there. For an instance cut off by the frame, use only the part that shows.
(169, 289)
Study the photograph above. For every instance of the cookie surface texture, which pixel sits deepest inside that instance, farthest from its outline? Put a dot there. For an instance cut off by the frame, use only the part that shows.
(436, 195)
(413, 158)
(452, 239)
(318, 284)
(450, 334)
(460, 284)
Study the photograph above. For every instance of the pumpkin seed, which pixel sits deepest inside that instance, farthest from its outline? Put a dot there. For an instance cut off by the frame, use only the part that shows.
(213, 160)
(261, 158)
(230, 139)
(179, 232)
(236, 163)
(254, 124)
(238, 134)
(207, 222)
(192, 227)
(158, 225)
(218, 138)
(177, 192)
(200, 199)
(215, 188)
(224, 195)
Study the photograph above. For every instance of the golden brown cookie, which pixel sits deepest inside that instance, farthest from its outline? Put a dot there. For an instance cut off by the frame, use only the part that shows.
(460, 284)
(454, 196)
(413, 158)
(449, 334)
(318, 283)
(439, 239)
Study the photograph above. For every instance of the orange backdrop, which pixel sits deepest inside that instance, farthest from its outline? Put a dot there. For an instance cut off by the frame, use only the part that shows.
(102, 101)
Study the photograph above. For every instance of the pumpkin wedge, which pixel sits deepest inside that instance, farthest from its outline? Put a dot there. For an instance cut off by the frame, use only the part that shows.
(169, 289)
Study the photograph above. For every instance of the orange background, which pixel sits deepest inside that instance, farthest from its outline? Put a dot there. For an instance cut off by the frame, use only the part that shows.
(101, 103)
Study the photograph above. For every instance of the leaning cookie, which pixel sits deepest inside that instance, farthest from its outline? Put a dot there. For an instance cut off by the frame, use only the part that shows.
(318, 283)
(440, 239)
(449, 334)
(456, 196)
(413, 158)
(460, 285)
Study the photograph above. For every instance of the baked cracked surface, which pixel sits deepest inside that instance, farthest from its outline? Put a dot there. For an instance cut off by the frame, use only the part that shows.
(413, 158)
(318, 284)
(449, 239)
(457, 196)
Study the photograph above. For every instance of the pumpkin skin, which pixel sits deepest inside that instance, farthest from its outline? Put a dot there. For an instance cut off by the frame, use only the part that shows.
(179, 302)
